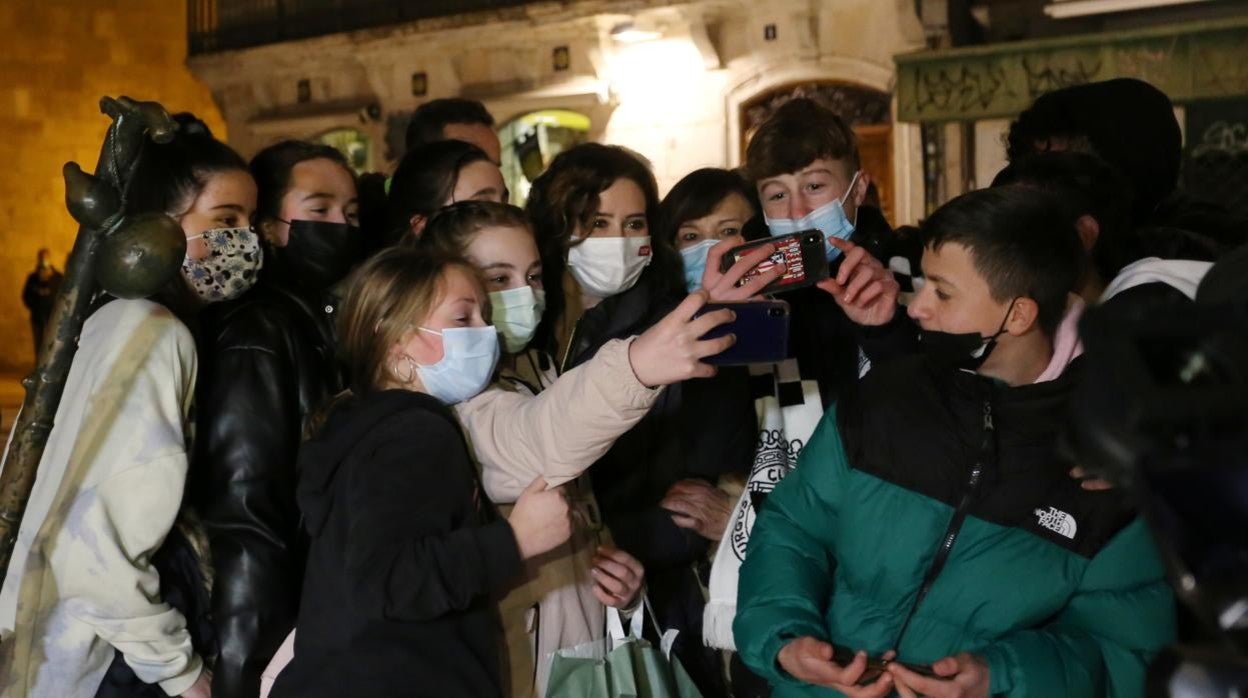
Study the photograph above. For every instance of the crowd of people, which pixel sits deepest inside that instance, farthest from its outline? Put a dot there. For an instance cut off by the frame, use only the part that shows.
(393, 436)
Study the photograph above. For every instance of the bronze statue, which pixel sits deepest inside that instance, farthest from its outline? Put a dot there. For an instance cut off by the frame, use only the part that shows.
(127, 256)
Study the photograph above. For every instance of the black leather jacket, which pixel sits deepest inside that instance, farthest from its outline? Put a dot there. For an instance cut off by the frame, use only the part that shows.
(266, 364)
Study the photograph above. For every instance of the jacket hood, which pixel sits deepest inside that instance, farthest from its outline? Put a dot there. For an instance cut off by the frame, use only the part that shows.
(348, 424)
(1183, 275)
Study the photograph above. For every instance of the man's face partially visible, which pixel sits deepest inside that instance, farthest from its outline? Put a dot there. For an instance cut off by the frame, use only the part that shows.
(796, 194)
(479, 135)
(954, 297)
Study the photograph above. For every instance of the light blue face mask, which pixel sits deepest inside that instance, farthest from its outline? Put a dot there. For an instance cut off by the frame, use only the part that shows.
(468, 358)
(516, 313)
(828, 219)
(694, 259)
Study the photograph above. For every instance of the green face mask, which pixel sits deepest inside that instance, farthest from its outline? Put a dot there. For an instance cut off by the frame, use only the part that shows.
(516, 313)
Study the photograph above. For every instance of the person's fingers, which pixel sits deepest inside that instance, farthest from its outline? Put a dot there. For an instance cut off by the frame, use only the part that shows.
(746, 264)
(857, 284)
(686, 522)
(1096, 485)
(701, 325)
(690, 305)
(879, 688)
(681, 505)
(711, 347)
(610, 584)
(932, 688)
(830, 287)
(850, 264)
(689, 486)
(905, 691)
(949, 666)
(715, 257)
(853, 671)
(844, 246)
(604, 597)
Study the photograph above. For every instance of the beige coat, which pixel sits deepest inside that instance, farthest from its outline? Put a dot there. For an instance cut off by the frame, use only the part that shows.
(530, 425)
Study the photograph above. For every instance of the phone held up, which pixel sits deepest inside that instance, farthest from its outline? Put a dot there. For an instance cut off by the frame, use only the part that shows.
(804, 255)
(761, 328)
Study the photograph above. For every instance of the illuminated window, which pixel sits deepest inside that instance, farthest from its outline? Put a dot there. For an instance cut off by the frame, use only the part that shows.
(531, 141)
(354, 146)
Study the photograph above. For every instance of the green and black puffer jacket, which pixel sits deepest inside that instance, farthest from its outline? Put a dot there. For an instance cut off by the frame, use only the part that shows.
(1061, 590)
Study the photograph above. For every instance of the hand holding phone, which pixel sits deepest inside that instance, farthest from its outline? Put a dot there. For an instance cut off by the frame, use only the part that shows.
(802, 254)
(761, 329)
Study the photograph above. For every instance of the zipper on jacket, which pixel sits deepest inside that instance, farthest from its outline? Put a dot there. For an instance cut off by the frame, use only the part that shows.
(987, 452)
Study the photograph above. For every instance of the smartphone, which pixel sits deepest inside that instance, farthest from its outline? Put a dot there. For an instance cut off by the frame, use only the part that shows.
(761, 329)
(804, 255)
(877, 666)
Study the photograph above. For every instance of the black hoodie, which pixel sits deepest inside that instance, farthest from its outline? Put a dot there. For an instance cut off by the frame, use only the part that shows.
(404, 557)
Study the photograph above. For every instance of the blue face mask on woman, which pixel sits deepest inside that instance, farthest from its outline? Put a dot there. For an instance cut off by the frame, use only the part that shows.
(694, 259)
(469, 355)
(829, 219)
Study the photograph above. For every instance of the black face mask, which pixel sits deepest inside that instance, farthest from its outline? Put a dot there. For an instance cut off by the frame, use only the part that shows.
(967, 351)
(318, 254)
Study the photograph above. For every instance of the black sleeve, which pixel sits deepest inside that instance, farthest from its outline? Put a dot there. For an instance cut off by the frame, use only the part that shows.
(28, 293)
(418, 552)
(896, 338)
(249, 433)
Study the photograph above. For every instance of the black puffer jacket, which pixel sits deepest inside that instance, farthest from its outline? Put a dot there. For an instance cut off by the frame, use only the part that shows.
(266, 363)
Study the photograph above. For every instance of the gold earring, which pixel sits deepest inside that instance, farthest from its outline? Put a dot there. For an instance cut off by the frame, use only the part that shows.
(411, 370)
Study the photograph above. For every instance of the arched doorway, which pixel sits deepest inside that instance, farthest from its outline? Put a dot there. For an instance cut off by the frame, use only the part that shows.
(532, 140)
(868, 112)
(354, 146)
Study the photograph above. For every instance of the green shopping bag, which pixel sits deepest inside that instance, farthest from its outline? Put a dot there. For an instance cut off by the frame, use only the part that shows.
(621, 665)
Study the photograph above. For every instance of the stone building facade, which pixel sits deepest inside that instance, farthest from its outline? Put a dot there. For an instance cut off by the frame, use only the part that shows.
(679, 82)
(60, 57)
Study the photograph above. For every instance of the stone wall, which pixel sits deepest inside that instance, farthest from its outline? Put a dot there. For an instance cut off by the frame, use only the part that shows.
(59, 58)
(674, 99)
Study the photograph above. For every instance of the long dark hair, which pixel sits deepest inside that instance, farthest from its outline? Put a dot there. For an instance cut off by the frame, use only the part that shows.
(424, 180)
(697, 195)
(566, 195)
(169, 176)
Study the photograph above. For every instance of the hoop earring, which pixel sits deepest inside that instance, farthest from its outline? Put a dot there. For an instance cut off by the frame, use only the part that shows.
(411, 370)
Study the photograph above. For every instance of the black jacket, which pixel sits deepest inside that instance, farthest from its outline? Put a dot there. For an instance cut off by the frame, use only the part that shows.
(404, 557)
(697, 429)
(266, 363)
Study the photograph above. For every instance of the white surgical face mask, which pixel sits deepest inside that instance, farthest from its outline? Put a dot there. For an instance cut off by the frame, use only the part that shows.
(829, 219)
(605, 267)
(468, 358)
(516, 313)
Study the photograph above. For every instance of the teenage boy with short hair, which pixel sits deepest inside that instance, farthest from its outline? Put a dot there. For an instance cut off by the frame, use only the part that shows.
(454, 119)
(931, 519)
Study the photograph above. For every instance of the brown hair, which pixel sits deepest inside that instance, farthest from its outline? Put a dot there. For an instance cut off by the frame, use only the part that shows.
(451, 230)
(566, 195)
(798, 133)
(390, 292)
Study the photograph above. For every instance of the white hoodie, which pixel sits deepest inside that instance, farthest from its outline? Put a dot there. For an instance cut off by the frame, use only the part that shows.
(1183, 275)
(109, 487)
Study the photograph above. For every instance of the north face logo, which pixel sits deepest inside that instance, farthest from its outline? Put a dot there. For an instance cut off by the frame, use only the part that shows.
(1058, 521)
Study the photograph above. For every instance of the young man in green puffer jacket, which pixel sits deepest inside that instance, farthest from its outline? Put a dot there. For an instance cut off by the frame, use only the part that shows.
(931, 520)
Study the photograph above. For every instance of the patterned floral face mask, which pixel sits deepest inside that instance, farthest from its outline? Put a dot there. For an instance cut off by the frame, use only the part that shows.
(234, 261)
